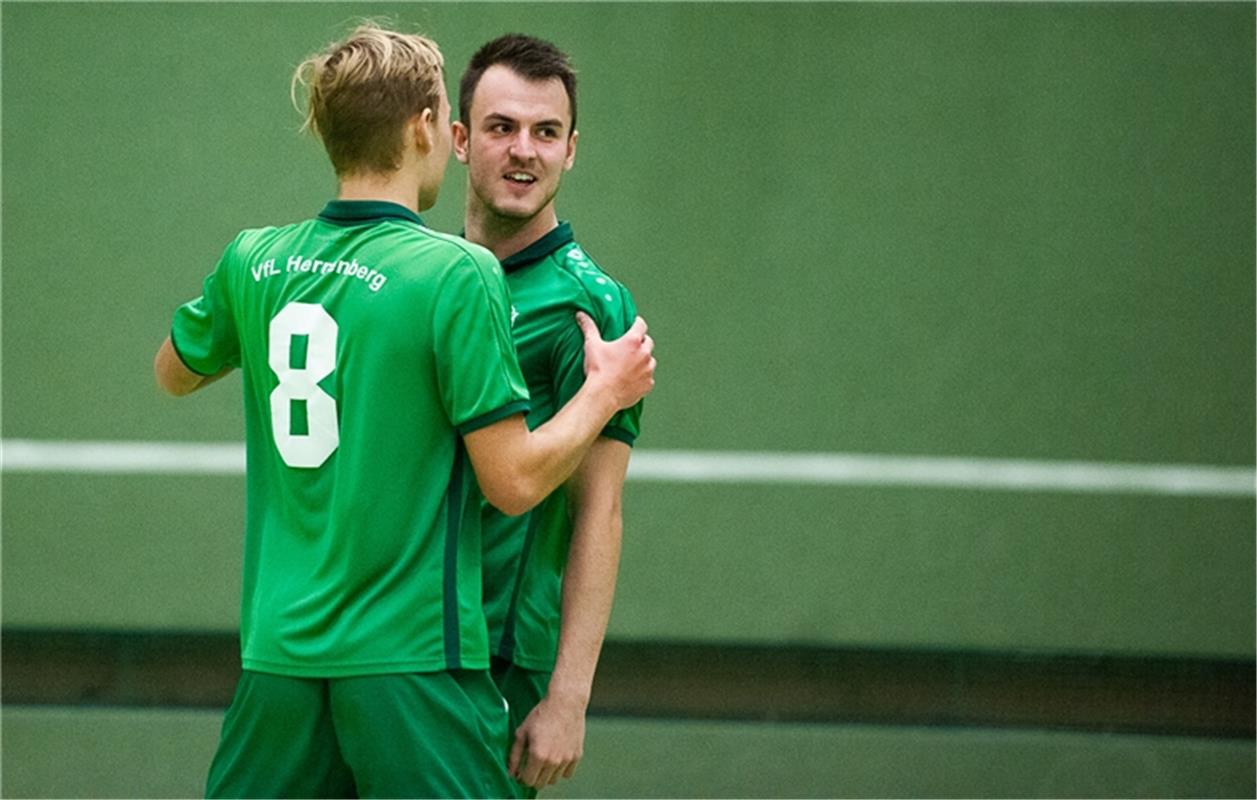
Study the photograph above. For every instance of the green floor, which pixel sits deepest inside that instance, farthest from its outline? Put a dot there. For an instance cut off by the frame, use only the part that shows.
(60, 752)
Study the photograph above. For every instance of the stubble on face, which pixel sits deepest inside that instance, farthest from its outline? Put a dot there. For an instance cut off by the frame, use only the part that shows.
(518, 147)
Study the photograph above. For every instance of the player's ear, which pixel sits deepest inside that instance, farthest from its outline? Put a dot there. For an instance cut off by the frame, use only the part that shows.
(571, 150)
(421, 130)
(462, 140)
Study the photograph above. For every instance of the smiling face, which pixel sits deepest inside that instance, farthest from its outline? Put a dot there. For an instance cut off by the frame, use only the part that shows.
(517, 144)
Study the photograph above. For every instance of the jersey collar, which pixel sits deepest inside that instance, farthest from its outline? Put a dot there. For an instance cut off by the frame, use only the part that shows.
(356, 212)
(540, 249)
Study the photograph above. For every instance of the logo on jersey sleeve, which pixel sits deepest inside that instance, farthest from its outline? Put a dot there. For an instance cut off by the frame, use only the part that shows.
(514, 314)
(588, 271)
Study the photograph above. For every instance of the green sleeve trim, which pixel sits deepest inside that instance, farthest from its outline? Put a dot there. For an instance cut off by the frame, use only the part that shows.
(174, 345)
(517, 407)
(619, 434)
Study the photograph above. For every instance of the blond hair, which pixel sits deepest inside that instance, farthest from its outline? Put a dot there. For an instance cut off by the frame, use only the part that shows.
(361, 90)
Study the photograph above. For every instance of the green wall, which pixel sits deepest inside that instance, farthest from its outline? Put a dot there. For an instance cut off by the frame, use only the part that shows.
(1015, 230)
(995, 230)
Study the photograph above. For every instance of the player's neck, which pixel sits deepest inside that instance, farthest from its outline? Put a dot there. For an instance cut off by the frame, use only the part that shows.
(505, 236)
(394, 187)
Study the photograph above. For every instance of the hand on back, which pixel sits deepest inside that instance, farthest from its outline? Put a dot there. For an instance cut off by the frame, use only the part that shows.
(624, 365)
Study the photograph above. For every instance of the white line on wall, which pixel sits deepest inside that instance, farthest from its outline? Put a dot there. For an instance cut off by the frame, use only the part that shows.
(693, 466)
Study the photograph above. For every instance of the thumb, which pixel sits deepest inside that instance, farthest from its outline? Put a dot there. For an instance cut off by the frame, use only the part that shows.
(588, 327)
(639, 327)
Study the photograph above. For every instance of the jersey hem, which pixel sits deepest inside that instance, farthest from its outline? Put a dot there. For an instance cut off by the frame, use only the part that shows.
(619, 434)
(517, 407)
(354, 670)
(531, 664)
(174, 345)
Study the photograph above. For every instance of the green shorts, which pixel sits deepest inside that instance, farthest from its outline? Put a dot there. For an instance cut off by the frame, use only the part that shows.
(426, 734)
(523, 690)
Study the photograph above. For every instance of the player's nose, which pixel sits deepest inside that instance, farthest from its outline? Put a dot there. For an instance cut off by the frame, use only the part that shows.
(522, 147)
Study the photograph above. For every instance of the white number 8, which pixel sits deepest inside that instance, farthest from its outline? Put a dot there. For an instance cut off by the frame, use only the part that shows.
(310, 449)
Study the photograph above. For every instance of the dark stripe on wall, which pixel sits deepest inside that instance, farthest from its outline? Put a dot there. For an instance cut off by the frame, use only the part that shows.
(1171, 696)
(454, 501)
(1113, 694)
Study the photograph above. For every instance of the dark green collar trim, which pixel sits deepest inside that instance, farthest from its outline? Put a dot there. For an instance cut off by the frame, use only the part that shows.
(356, 212)
(541, 248)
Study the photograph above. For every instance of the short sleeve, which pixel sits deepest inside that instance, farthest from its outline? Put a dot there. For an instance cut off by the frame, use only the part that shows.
(614, 318)
(204, 331)
(477, 369)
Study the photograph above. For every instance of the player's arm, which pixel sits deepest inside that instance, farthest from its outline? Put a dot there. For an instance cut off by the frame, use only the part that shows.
(553, 736)
(174, 377)
(516, 468)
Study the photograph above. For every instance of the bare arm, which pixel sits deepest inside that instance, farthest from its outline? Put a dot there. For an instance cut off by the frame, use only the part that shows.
(553, 735)
(174, 377)
(517, 469)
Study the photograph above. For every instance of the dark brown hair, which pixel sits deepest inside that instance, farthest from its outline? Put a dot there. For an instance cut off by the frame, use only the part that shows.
(533, 58)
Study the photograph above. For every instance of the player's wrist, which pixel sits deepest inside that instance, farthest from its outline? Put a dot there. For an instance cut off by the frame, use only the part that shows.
(602, 394)
(571, 692)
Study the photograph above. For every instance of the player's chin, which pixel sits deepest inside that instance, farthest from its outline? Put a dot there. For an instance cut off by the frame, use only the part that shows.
(517, 208)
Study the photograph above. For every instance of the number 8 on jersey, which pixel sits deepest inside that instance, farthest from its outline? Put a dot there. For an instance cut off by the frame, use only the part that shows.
(299, 384)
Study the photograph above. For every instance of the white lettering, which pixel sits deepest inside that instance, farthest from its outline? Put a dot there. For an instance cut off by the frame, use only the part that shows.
(372, 278)
(264, 270)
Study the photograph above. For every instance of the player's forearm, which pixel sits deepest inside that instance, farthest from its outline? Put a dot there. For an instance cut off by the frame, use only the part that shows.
(553, 451)
(174, 377)
(588, 594)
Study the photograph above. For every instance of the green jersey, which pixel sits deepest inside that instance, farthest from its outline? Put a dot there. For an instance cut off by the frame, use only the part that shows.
(525, 555)
(368, 344)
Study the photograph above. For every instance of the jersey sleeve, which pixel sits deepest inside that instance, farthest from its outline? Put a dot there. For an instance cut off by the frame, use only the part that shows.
(204, 331)
(614, 317)
(477, 369)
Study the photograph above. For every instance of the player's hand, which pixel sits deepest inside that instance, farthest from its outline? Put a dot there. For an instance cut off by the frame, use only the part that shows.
(549, 743)
(625, 364)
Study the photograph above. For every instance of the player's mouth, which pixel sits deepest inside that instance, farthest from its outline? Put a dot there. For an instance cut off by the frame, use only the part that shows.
(520, 178)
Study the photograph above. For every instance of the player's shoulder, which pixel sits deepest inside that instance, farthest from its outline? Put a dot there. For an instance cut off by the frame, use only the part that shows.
(249, 246)
(252, 241)
(454, 251)
(436, 255)
(601, 293)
